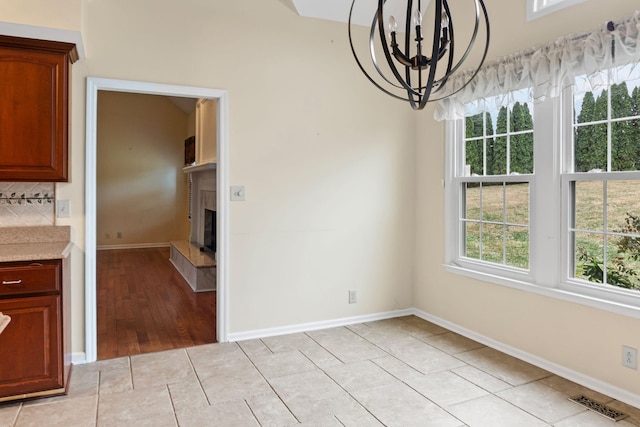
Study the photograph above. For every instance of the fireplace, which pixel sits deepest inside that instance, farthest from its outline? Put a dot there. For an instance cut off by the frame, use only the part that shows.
(195, 259)
(209, 238)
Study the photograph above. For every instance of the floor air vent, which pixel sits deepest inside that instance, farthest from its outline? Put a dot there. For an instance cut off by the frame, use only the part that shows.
(600, 408)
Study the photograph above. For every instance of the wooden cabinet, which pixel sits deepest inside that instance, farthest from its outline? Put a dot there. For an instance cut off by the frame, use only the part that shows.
(34, 109)
(32, 353)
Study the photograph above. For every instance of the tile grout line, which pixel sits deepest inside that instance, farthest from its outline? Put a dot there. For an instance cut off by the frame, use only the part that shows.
(512, 386)
(270, 386)
(252, 412)
(98, 394)
(446, 370)
(173, 406)
(410, 367)
(133, 385)
(15, 418)
(476, 367)
(197, 377)
(325, 349)
(372, 361)
(340, 386)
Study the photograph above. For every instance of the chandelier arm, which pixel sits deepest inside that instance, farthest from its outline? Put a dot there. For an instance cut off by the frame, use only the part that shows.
(484, 55)
(387, 54)
(407, 49)
(372, 52)
(437, 29)
(451, 51)
(476, 28)
(355, 56)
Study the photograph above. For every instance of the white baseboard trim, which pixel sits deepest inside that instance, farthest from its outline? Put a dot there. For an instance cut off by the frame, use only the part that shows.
(562, 371)
(78, 358)
(133, 246)
(314, 326)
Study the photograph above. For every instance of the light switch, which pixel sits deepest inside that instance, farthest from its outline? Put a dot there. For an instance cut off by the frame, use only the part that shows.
(62, 209)
(237, 193)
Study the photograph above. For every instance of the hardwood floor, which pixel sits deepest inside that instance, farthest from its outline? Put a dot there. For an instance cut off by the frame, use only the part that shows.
(144, 305)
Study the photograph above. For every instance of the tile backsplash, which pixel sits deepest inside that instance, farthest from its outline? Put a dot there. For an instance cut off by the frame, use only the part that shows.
(27, 204)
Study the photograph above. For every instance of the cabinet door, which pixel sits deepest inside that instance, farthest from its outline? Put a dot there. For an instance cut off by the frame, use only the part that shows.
(30, 346)
(33, 112)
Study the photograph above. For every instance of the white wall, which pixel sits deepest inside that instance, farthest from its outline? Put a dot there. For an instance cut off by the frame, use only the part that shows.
(580, 338)
(59, 14)
(142, 191)
(327, 161)
(333, 171)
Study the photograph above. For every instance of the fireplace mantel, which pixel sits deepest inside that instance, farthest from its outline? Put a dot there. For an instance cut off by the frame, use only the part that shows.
(202, 167)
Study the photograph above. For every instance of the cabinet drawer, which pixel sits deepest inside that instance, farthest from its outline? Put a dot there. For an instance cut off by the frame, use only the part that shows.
(19, 278)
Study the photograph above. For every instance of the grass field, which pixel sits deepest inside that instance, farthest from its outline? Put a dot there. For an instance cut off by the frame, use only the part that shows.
(510, 244)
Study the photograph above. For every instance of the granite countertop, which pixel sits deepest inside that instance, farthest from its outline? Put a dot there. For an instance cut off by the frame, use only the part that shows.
(34, 243)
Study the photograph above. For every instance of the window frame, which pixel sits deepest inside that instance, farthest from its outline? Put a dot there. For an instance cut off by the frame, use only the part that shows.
(455, 203)
(592, 289)
(618, 300)
(539, 8)
(550, 266)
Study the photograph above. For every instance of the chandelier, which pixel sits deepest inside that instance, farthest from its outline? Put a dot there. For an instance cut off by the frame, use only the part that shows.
(410, 74)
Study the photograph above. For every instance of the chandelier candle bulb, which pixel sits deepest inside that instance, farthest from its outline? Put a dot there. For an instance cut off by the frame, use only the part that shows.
(417, 18)
(393, 25)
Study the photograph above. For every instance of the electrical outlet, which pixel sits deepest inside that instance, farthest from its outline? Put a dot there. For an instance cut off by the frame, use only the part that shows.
(353, 296)
(107, 235)
(63, 209)
(629, 357)
(119, 234)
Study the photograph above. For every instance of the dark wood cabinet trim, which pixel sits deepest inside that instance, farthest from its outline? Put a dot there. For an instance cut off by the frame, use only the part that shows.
(61, 48)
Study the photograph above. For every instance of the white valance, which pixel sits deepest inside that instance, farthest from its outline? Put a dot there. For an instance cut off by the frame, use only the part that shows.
(547, 69)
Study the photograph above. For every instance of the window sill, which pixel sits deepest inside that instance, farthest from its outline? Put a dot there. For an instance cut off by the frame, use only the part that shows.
(568, 292)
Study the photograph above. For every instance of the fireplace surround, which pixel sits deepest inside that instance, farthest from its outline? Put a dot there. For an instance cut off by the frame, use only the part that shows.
(195, 258)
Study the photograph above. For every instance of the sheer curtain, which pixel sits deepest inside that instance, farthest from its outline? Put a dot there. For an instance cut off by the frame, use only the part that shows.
(548, 68)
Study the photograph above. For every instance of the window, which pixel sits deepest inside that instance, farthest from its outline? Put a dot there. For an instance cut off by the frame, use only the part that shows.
(494, 182)
(539, 8)
(604, 180)
(545, 196)
(542, 185)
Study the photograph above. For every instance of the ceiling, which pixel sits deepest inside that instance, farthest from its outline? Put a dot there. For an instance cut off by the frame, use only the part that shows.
(185, 104)
(338, 10)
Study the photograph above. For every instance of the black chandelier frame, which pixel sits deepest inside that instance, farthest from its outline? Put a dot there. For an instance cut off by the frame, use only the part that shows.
(419, 93)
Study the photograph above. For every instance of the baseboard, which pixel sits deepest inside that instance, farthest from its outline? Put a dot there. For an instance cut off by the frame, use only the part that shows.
(133, 246)
(314, 326)
(79, 358)
(562, 371)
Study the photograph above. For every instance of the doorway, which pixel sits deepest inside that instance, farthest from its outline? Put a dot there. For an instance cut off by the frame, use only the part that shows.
(94, 85)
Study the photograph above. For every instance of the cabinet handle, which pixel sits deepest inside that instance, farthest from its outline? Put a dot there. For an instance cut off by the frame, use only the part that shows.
(12, 282)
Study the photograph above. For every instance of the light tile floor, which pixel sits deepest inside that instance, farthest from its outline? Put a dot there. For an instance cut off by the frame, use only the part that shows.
(398, 372)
